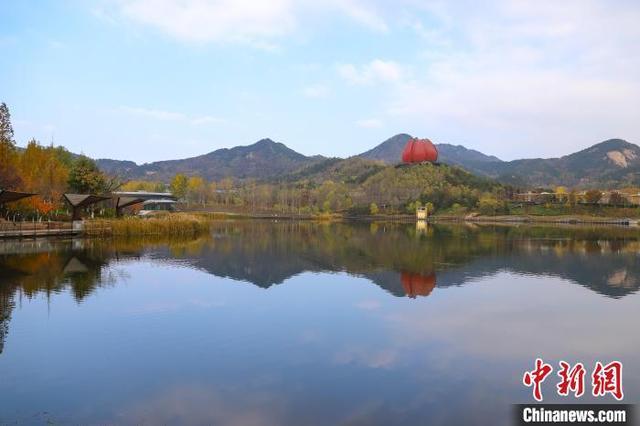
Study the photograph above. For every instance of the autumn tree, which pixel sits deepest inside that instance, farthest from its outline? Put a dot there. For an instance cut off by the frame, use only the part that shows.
(617, 199)
(488, 205)
(226, 187)
(593, 196)
(196, 190)
(561, 194)
(179, 185)
(43, 173)
(143, 185)
(430, 208)
(212, 190)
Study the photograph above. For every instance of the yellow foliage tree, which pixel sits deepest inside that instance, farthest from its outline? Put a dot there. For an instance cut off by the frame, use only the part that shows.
(196, 190)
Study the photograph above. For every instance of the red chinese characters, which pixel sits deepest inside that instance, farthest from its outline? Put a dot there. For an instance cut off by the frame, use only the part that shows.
(607, 380)
(571, 379)
(536, 377)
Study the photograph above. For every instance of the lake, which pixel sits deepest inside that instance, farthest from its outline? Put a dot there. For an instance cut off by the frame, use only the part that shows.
(301, 323)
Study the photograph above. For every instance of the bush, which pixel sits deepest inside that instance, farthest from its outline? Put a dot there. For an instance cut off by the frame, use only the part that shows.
(488, 205)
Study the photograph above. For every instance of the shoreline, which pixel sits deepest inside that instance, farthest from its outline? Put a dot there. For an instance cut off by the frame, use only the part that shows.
(471, 218)
(559, 220)
(197, 223)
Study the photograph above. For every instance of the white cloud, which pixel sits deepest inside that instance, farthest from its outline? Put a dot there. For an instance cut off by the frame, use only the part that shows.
(162, 115)
(363, 13)
(257, 23)
(523, 78)
(316, 91)
(369, 123)
(375, 71)
(510, 77)
(217, 20)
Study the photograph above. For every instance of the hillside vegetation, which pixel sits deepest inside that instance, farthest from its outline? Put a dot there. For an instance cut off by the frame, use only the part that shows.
(353, 186)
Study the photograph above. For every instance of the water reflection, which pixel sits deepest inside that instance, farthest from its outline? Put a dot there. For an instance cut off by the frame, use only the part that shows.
(361, 324)
(417, 284)
(602, 259)
(404, 260)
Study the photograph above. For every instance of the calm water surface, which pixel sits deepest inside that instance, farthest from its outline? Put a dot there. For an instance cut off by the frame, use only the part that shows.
(266, 323)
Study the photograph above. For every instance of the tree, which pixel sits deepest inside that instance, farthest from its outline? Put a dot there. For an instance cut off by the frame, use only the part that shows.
(413, 206)
(429, 207)
(457, 208)
(179, 185)
(196, 190)
(593, 196)
(373, 209)
(43, 173)
(488, 205)
(6, 129)
(212, 191)
(226, 187)
(561, 194)
(86, 178)
(617, 199)
(9, 177)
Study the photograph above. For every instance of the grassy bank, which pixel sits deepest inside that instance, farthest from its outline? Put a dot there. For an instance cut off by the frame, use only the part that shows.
(179, 224)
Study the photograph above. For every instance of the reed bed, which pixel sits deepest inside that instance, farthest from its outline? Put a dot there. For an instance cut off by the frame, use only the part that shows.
(178, 224)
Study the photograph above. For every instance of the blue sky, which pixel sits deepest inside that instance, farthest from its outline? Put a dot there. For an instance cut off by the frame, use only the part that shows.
(149, 80)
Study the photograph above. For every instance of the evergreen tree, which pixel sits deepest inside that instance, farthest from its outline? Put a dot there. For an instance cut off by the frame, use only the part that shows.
(86, 178)
(9, 178)
(6, 129)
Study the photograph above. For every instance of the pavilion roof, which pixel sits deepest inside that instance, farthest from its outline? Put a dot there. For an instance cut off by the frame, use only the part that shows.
(11, 196)
(84, 200)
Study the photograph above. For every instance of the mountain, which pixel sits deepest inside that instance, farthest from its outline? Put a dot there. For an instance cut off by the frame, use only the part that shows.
(612, 163)
(609, 164)
(470, 159)
(390, 152)
(122, 168)
(264, 159)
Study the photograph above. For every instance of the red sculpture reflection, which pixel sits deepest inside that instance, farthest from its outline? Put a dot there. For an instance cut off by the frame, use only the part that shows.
(417, 285)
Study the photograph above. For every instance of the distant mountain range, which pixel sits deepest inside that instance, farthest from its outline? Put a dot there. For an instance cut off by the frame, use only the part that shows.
(612, 163)
(264, 159)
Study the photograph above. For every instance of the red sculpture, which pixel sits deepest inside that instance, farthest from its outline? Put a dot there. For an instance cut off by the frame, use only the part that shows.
(419, 151)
